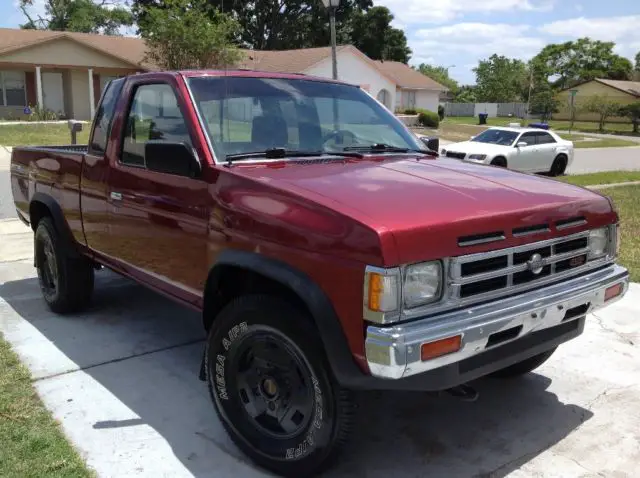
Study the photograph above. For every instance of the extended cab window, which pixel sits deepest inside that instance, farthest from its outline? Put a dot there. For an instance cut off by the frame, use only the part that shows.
(104, 117)
(154, 115)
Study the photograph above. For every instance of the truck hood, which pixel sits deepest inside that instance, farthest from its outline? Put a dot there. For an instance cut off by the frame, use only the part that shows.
(428, 205)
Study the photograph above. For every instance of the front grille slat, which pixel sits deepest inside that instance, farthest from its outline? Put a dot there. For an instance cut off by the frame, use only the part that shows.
(479, 275)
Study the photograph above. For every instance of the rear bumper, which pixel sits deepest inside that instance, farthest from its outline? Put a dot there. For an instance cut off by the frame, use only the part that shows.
(494, 335)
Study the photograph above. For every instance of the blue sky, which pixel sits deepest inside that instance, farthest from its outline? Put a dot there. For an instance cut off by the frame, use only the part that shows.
(460, 32)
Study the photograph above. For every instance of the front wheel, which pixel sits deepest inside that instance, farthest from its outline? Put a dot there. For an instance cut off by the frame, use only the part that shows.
(524, 367)
(500, 162)
(272, 387)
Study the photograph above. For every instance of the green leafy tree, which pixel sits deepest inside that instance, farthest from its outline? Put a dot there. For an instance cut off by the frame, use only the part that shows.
(190, 34)
(84, 16)
(603, 107)
(277, 24)
(581, 60)
(633, 112)
(501, 80)
(544, 102)
(637, 68)
(439, 74)
(465, 94)
(371, 32)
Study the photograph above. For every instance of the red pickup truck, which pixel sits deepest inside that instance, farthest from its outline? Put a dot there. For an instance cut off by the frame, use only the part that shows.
(327, 249)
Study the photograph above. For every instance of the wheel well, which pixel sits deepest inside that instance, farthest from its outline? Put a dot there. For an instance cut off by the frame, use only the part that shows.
(228, 282)
(37, 210)
(563, 156)
(499, 159)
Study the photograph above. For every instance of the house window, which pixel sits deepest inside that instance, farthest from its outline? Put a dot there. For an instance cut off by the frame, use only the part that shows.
(12, 85)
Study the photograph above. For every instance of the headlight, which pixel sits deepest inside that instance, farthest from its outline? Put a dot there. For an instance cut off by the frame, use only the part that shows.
(478, 157)
(598, 242)
(381, 295)
(422, 284)
(387, 291)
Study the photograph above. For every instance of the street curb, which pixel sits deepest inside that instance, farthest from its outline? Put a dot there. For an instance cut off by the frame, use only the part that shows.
(612, 185)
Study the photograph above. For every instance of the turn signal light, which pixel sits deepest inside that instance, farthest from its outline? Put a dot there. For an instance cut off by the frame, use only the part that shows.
(440, 347)
(613, 291)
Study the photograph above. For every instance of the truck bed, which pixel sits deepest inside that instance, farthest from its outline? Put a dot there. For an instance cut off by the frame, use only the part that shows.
(67, 148)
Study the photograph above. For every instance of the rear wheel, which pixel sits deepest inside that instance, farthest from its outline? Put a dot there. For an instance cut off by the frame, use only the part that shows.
(66, 282)
(559, 165)
(524, 367)
(273, 389)
(499, 161)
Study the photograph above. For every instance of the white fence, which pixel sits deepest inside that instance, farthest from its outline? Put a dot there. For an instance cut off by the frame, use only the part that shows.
(516, 110)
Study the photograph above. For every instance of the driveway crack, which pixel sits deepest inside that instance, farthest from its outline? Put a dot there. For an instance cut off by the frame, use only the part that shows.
(620, 335)
(121, 359)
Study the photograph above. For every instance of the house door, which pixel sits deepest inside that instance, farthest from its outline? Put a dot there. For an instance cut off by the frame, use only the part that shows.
(53, 92)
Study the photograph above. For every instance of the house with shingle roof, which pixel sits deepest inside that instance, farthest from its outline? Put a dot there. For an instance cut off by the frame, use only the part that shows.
(622, 92)
(66, 72)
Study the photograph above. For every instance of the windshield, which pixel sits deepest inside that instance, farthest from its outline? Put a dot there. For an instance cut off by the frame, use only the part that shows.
(496, 136)
(248, 115)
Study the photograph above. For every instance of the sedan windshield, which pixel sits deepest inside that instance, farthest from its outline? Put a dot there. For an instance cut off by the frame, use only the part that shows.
(496, 136)
(246, 116)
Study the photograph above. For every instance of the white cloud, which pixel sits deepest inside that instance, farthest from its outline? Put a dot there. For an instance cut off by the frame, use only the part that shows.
(477, 40)
(413, 12)
(623, 30)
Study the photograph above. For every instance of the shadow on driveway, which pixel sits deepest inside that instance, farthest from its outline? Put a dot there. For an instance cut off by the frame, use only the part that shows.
(146, 350)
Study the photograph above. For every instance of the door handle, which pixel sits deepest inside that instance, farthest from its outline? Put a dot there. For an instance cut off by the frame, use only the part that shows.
(116, 196)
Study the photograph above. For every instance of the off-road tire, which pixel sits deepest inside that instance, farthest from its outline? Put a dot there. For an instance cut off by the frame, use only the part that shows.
(68, 285)
(559, 166)
(499, 162)
(328, 422)
(524, 367)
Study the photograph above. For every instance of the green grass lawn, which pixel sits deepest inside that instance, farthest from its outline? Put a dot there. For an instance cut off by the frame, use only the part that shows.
(609, 177)
(627, 201)
(31, 442)
(40, 134)
(580, 141)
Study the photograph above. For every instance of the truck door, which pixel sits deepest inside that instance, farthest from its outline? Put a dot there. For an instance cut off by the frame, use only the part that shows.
(157, 219)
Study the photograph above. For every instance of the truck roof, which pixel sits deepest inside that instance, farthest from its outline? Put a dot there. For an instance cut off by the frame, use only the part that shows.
(247, 74)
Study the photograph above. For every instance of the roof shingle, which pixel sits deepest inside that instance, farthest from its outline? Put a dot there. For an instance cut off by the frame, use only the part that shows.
(407, 77)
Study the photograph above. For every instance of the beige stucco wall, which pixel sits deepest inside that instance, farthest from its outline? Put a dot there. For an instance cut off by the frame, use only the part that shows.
(80, 107)
(63, 52)
(585, 91)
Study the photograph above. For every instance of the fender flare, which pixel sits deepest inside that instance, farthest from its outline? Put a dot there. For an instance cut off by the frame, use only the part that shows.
(322, 312)
(59, 221)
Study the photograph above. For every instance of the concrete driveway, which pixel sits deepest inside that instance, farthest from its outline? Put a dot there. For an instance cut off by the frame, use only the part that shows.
(122, 380)
(595, 160)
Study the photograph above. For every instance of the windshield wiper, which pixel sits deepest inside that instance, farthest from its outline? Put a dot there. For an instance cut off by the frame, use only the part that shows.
(387, 148)
(279, 153)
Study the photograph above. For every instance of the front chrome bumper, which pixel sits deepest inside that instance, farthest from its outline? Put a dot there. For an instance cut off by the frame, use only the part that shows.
(393, 352)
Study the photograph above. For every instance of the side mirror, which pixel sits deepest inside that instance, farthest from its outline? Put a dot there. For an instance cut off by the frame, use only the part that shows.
(521, 144)
(172, 158)
(431, 142)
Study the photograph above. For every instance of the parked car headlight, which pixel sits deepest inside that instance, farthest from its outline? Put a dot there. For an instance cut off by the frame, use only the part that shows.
(422, 284)
(598, 242)
(478, 157)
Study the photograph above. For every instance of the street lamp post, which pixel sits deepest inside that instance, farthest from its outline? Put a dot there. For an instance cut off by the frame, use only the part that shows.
(332, 6)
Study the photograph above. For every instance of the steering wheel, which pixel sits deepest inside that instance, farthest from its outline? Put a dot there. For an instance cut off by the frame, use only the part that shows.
(341, 137)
